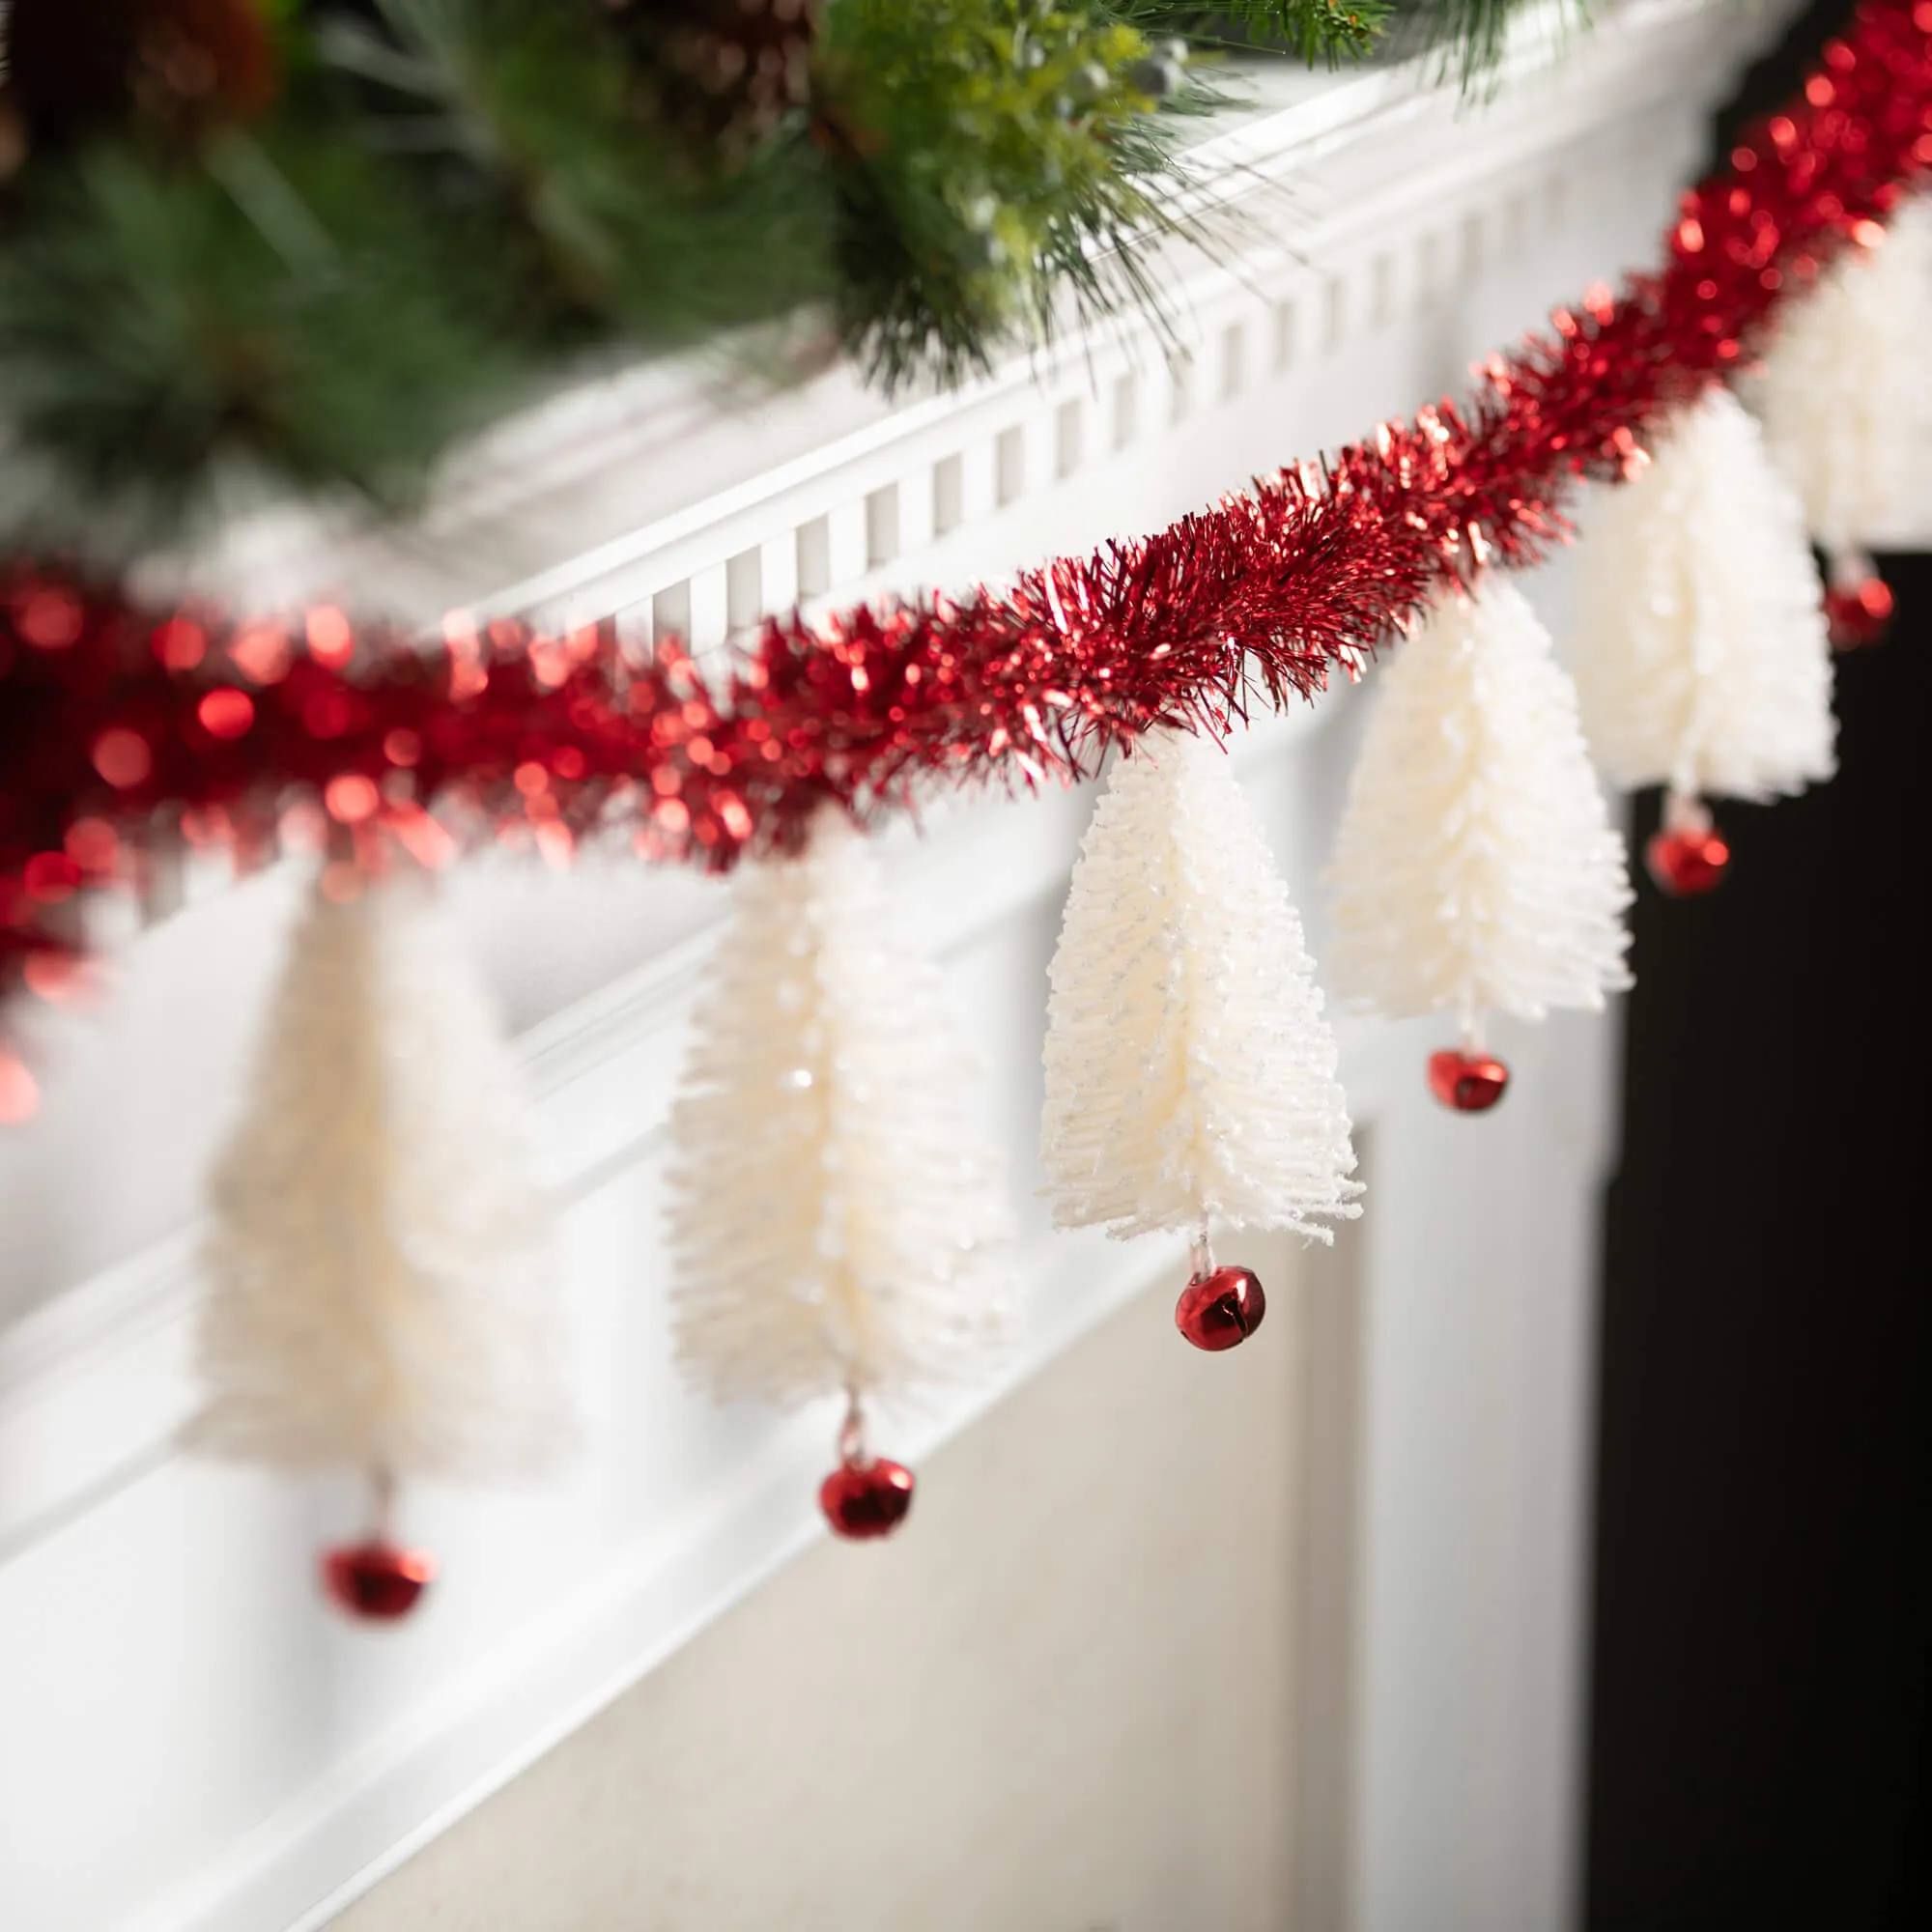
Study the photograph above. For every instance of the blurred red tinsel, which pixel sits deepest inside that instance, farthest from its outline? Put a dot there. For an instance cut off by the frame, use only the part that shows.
(118, 724)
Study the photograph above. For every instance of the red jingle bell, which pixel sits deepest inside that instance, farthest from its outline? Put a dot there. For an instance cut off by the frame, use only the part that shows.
(1689, 860)
(1468, 1083)
(1221, 1309)
(867, 1500)
(376, 1579)
(1857, 615)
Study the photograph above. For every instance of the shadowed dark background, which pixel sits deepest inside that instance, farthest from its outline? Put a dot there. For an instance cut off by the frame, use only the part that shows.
(1763, 1622)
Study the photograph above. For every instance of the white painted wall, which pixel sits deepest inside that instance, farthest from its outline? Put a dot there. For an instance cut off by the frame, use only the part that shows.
(187, 1741)
(1061, 1699)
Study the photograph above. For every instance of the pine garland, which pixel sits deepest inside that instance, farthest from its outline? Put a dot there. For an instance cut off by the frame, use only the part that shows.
(1328, 31)
(260, 246)
(985, 164)
(1469, 35)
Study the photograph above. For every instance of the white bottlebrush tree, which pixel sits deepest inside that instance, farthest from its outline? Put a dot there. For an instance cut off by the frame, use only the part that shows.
(1845, 395)
(1190, 1073)
(1701, 654)
(836, 1221)
(1476, 869)
(382, 1294)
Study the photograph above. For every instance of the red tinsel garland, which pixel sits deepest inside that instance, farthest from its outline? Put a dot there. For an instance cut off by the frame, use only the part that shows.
(115, 721)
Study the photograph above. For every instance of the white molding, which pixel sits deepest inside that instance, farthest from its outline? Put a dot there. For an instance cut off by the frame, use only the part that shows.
(95, 1386)
(1370, 188)
(305, 1863)
(1312, 190)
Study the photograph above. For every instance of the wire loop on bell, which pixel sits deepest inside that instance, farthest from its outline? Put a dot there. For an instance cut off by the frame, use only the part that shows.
(381, 1500)
(852, 1449)
(1201, 1252)
(1685, 812)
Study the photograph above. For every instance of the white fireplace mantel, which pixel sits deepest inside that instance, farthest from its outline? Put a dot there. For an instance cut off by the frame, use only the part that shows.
(187, 1742)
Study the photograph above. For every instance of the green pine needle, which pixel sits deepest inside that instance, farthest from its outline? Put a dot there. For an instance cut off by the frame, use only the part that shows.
(991, 157)
(1318, 31)
(1470, 35)
(155, 333)
(452, 197)
(603, 219)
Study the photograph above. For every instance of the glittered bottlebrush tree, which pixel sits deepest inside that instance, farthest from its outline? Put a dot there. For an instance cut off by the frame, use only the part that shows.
(836, 1222)
(1845, 398)
(1476, 870)
(381, 1290)
(1701, 654)
(1190, 1075)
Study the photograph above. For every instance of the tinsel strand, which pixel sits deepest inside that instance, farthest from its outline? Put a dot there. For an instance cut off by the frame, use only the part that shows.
(113, 718)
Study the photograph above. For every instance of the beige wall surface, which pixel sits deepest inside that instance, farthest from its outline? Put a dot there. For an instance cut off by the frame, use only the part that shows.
(1058, 1702)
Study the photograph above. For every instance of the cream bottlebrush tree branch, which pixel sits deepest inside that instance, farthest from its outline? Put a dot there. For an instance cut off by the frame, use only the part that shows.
(1190, 1072)
(1700, 650)
(1476, 869)
(381, 1292)
(1845, 395)
(837, 1221)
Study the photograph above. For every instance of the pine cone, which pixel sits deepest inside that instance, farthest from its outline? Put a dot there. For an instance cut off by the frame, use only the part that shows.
(723, 73)
(181, 65)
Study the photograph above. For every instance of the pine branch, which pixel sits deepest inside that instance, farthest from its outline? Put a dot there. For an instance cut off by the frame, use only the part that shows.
(1470, 35)
(1320, 29)
(156, 329)
(436, 198)
(528, 102)
(1323, 31)
(991, 157)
